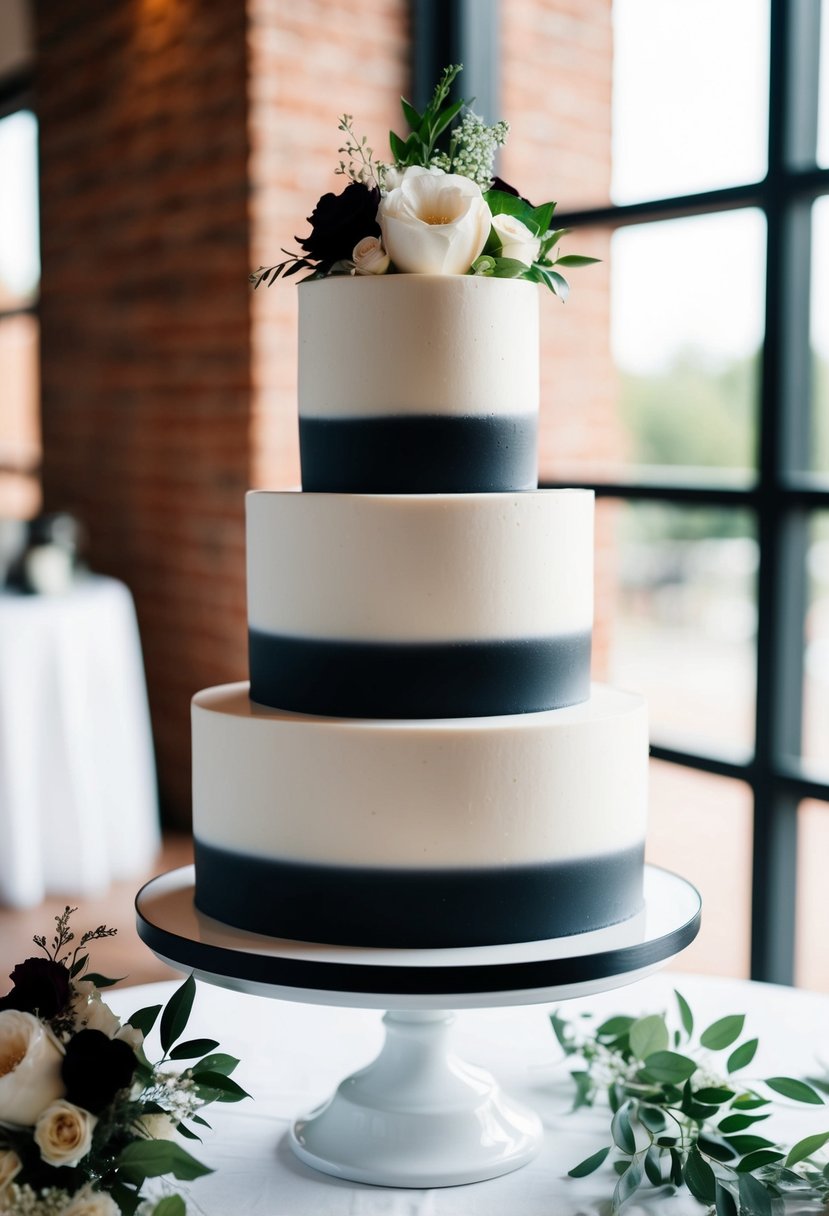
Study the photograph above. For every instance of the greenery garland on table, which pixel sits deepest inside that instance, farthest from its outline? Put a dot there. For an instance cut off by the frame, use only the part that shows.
(676, 1121)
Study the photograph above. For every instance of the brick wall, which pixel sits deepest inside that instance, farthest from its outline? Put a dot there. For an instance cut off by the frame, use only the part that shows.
(145, 325)
(182, 144)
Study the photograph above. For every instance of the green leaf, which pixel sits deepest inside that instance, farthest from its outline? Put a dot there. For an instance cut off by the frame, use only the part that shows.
(723, 1032)
(614, 1027)
(686, 1017)
(410, 114)
(442, 121)
(501, 203)
(543, 217)
(754, 1198)
(805, 1147)
(749, 1144)
(753, 1161)
(559, 284)
(676, 1167)
(198, 1119)
(193, 1048)
(725, 1202)
(102, 981)
(170, 1205)
(584, 1089)
(648, 1035)
(627, 1185)
(750, 1102)
(153, 1158)
(590, 1164)
(798, 1091)
(176, 1013)
(398, 147)
(220, 1062)
(575, 259)
(652, 1118)
(738, 1123)
(216, 1083)
(653, 1166)
(714, 1095)
(699, 1177)
(667, 1067)
(621, 1131)
(185, 1131)
(508, 268)
(716, 1147)
(145, 1019)
(742, 1055)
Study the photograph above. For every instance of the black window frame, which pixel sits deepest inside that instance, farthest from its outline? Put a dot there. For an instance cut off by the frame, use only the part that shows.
(784, 494)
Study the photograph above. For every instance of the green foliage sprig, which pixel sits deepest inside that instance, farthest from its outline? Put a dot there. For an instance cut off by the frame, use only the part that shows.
(676, 1121)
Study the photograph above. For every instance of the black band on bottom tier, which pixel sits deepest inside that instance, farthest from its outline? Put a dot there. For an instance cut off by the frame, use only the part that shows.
(417, 909)
(341, 679)
(419, 454)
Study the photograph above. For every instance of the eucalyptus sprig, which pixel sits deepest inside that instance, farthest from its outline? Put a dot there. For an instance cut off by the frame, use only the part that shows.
(676, 1120)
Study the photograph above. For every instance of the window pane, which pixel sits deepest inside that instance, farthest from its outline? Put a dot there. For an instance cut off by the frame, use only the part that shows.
(816, 660)
(683, 628)
(811, 955)
(819, 334)
(19, 245)
(687, 811)
(823, 96)
(690, 105)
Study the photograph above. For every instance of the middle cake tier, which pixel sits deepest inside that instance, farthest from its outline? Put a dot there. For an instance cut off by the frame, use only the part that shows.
(419, 606)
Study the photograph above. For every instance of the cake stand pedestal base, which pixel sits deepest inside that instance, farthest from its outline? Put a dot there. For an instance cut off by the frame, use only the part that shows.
(418, 1116)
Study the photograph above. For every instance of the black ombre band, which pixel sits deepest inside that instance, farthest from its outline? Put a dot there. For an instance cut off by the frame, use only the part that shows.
(417, 909)
(418, 680)
(419, 454)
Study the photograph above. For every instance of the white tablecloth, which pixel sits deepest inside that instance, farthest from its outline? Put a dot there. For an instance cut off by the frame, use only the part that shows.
(293, 1056)
(78, 804)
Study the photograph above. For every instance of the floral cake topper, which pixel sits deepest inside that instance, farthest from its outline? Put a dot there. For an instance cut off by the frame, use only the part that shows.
(437, 208)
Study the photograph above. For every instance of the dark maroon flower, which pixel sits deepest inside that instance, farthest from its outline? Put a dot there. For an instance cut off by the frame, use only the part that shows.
(41, 986)
(338, 222)
(95, 1068)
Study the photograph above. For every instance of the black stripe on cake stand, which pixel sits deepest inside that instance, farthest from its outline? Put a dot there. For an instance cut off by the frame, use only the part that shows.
(344, 679)
(417, 908)
(419, 454)
(169, 924)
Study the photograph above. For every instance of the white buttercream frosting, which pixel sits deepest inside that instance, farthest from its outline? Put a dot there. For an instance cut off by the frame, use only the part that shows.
(435, 567)
(417, 344)
(562, 784)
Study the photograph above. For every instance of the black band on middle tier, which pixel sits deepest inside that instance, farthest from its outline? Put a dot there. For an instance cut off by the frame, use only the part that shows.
(419, 454)
(343, 679)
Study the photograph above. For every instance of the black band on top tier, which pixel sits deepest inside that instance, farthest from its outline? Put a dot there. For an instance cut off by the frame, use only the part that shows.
(342, 679)
(362, 906)
(419, 454)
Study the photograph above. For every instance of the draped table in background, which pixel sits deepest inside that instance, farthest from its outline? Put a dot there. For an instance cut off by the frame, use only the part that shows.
(78, 804)
(294, 1055)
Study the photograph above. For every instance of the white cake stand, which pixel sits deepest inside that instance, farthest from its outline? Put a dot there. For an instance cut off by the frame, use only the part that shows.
(418, 1116)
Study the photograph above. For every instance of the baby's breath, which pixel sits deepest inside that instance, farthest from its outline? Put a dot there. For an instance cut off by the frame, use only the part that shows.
(472, 149)
(25, 1201)
(361, 166)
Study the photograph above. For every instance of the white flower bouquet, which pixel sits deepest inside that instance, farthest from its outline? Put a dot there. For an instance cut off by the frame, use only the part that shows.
(85, 1118)
(437, 208)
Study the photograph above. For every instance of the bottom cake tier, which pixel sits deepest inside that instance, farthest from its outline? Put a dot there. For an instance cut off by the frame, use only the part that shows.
(419, 833)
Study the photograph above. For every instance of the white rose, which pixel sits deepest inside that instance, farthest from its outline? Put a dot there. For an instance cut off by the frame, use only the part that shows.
(30, 1064)
(434, 223)
(91, 1013)
(516, 239)
(393, 177)
(88, 1202)
(370, 257)
(63, 1133)
(131, 1035)
(10, 1167)
(158, 1126)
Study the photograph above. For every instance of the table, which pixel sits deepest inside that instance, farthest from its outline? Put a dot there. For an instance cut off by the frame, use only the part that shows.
(292, 1056)
(78, 802)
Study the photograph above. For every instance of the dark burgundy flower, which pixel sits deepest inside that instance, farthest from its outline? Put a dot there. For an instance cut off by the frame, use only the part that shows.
(41, 986)
(338, 222)
(95, 1068)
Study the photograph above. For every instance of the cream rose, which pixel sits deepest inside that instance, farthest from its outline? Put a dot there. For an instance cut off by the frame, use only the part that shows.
(63, 1133)
(434, 223)
(88, 1202)
(370, 257)
(158, 1126)
(516, 239)
(91, 1013)
(30, 1063)
(10, 1167)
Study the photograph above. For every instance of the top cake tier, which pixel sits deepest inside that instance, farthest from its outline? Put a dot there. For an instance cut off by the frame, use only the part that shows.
(418, 384)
